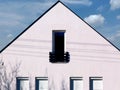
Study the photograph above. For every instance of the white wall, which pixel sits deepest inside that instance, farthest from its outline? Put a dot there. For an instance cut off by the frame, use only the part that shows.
(90, 54)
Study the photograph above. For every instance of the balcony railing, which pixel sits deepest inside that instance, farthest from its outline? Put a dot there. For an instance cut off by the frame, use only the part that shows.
(62, 58)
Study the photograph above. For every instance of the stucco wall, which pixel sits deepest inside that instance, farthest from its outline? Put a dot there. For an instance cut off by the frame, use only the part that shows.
(90, 54)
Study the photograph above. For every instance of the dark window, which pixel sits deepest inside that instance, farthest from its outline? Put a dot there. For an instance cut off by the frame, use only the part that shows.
(58, 53)
(58, 42)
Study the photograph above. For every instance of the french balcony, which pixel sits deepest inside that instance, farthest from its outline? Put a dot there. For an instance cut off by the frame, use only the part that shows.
(59, 57)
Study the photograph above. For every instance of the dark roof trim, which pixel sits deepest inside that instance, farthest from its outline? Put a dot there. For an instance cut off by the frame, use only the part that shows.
(44, 14)
(28, 27)
(92, 28)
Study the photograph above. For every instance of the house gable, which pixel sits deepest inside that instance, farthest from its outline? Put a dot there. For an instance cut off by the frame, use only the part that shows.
(81, 38)
(92, 57)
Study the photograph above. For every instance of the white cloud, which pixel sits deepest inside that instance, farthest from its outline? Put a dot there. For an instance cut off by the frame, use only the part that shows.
(6, 15)
(95, 20)
(115, 39)
(115, 4)
(10, 19)
(100, 8)
(7, 23)
(118, 17)
(19, 13)
(82, 2)
(10, 36)
(115, 36)
(118, 34)
(16, 16)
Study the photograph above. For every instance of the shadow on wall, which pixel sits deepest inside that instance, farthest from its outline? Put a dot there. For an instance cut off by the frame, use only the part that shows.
(62, 87)
(7, 79)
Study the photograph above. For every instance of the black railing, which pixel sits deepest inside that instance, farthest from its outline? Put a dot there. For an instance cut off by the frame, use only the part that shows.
(65, 58)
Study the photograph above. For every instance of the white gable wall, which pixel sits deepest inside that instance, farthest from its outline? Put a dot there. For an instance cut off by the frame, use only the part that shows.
(90, 54)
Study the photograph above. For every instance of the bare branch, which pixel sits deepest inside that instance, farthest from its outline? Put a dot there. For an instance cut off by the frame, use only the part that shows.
(8, 78)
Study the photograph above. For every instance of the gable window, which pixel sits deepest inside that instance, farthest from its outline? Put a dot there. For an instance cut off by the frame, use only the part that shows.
(58, 42)
(22, 83)
(76, 83)
(41, 83)
(58, 53)
(96, 83)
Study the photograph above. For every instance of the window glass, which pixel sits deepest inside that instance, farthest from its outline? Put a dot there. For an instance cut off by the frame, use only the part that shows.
(41, 84)
(76, 83)
(22, 83)
(96, 84)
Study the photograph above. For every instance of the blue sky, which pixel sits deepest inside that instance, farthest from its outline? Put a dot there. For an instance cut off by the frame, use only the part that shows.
(16, 15)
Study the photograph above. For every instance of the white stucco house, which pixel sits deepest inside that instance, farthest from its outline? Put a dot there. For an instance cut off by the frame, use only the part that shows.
(60, 51)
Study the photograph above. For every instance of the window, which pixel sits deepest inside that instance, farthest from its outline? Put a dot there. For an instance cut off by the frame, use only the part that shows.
(22, 83)
(58, 41)
(76, 83)
(58, 53)
(96, 83)
(41, 83)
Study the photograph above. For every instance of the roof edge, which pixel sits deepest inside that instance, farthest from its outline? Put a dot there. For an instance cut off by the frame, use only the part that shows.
(29, 27)
(92, 28)
(44, 14)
